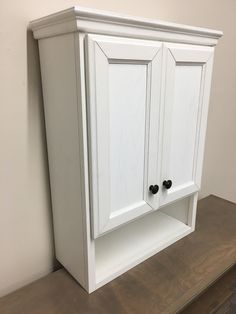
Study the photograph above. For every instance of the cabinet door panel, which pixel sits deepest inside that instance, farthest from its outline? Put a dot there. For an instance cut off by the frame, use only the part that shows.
(188, 71)
(126, 169)
(123, 115)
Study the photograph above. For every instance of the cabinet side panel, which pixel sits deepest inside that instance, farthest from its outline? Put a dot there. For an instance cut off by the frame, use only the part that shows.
(58, 69)
(178, 210)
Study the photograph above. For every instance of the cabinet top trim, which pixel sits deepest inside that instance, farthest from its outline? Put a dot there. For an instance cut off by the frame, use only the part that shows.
(92, 20)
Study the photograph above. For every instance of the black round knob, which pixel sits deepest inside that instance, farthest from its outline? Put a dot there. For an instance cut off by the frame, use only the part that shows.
(167, 184)
(154, 189)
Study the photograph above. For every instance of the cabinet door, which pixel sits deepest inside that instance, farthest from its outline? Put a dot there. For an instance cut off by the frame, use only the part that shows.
(188, 77)
(124, 81)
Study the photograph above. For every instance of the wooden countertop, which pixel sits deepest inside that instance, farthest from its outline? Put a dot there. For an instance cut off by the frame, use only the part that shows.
(162, 284)
(219, 298)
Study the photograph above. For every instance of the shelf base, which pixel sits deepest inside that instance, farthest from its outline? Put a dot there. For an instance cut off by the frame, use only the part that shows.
(124, 248)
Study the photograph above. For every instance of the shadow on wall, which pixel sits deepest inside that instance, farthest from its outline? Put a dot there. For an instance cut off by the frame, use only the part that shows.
(36, 129)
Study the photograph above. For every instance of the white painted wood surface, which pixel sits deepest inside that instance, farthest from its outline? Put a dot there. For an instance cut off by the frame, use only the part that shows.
(187, 74)
(87, 20)
(141, 238)
(64, 153)
(124, 79)
(126, 103)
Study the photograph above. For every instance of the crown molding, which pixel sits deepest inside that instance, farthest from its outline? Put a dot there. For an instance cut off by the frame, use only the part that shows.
(102, 22)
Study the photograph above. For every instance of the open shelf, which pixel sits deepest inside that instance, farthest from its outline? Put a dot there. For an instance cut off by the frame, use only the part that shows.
(118, 251)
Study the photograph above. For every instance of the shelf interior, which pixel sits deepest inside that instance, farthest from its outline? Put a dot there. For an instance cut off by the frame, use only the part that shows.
(125, 247)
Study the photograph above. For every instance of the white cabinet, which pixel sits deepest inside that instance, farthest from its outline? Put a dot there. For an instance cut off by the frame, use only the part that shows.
(126, 103)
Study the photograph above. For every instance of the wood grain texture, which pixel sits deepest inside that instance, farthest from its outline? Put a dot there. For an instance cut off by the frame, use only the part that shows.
(124, 83)
(187, 86)
(219, 298)
(162, 284)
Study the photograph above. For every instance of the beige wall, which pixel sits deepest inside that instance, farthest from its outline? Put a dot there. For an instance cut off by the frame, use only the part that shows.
(26, 245)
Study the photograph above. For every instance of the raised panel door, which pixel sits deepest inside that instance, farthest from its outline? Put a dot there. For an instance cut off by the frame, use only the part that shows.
(188, 76)
(124, 84)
